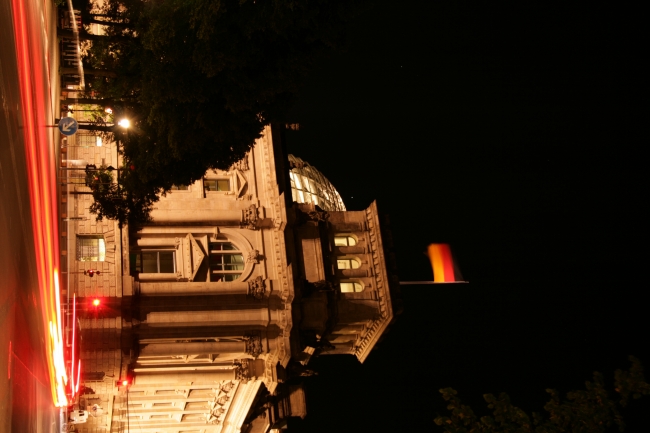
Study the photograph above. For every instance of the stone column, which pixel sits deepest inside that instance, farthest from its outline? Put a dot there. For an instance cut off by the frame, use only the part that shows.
(180, 349)
(183, 377)
(221, 217)
(247, 317)
(177, 230)
(189, 288)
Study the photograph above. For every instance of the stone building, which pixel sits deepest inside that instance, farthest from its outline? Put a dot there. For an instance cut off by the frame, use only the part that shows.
(217, 305)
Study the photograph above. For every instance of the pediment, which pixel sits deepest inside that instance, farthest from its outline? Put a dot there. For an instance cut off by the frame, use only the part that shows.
(195, 256)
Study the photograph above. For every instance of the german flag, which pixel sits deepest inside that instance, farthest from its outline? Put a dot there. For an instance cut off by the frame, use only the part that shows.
(443, 264)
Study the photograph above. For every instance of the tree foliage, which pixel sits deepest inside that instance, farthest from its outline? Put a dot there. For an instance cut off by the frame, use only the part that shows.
(590, 410)
(118, 200)
(200, 79)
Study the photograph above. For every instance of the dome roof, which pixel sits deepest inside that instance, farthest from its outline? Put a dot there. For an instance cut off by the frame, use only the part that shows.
(308, 185)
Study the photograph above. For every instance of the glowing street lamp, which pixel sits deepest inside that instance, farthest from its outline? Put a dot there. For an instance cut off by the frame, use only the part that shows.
(124, 123)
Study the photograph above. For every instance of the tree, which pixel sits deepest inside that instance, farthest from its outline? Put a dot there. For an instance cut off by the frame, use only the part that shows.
(118, 201)
(589, 410)
(202, 78)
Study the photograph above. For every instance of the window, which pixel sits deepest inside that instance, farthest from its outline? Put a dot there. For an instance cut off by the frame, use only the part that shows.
(351, 287)
(180, 187)
(155, 262)
(226, 261)
(345, 263)
(216, 184)
(344, 241)
(91, 248)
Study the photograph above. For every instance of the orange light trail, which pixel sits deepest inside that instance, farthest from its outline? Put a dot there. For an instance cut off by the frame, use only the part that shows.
(40, 161)
(74, 327)
(76, 390)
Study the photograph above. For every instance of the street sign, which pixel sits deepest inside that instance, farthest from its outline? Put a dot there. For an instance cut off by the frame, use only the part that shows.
(68, 126)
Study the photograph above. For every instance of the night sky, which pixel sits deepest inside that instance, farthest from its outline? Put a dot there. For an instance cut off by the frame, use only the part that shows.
(516, 133)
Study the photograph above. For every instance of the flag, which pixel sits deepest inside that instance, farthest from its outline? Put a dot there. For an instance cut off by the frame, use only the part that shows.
(443, 264)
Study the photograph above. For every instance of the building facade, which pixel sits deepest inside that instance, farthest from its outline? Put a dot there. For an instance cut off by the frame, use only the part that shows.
(209, 312)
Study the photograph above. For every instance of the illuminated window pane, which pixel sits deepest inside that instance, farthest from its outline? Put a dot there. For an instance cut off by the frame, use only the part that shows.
(223, 277)
(216, 184)
(91, 248)
(351, 287)
(344, 241)
(226, 261)
(347, 264)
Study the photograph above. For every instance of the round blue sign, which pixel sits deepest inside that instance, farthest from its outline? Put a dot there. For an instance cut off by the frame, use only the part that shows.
(68, 126)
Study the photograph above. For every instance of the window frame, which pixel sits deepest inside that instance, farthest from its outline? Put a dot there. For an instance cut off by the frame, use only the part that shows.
(350, 260)
(140, 269)
(100, 255)
(216, 181)
(220, 274)
(354, 283)
(347, 237)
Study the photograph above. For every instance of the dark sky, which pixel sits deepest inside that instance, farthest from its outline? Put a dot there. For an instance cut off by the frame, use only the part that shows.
(516, 133)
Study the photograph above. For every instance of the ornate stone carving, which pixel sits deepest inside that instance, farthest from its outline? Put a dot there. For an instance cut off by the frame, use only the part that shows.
(257, 288)
(316, 215)
(253, 257)
(241, 370)
(254, 345)
(250, 218)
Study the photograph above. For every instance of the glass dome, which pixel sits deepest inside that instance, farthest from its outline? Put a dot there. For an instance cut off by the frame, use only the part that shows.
(308, 185)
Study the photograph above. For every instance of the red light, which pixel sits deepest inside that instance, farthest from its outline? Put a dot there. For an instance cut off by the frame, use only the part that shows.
(125, 382)
(96, 302)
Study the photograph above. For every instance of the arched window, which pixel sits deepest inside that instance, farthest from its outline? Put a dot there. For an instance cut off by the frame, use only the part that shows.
(351, 286)
(347, 263)
(344, 241)
(226, 261)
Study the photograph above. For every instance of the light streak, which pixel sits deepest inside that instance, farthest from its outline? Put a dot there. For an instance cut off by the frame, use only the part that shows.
(78, 377)
(41, 176)
(74, 326)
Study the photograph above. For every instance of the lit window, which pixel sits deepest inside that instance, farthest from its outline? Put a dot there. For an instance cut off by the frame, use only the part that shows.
(347, 264)
(180, 187)
(155, 262)
(351, 287)
(344, 241)
(226, 261)
(91, 248)
(308, 185)
(216, 184)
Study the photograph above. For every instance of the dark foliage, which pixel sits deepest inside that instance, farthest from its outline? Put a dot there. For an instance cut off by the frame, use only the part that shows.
(200, 79)
(590, 410)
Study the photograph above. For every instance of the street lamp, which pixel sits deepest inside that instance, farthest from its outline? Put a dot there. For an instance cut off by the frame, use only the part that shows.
(124, 123)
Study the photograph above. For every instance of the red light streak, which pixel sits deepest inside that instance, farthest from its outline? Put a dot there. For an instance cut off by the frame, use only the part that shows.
(74, 327)
(76, 390)
(40, 164)
(96, 302)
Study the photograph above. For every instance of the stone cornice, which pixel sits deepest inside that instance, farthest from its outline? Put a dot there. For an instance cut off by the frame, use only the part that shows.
(379, 325)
